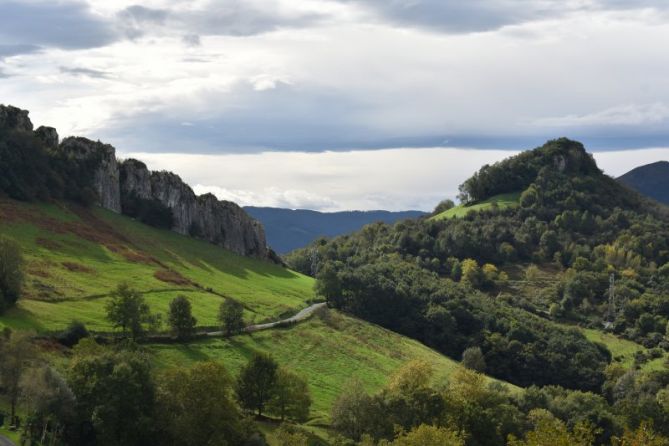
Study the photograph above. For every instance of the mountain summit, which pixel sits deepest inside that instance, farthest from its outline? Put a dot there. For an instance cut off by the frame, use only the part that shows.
(651, 180)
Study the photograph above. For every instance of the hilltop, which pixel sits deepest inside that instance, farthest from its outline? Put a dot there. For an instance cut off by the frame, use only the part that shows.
(651, 180)
(290, 229)
(569, 220)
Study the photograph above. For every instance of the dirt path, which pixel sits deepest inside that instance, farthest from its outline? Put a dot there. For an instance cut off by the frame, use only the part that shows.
(302, 315)
(4, 441)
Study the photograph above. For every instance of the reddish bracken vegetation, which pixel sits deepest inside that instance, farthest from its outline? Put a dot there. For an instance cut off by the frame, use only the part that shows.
(78, 268)
(172, 277)
(88, 227)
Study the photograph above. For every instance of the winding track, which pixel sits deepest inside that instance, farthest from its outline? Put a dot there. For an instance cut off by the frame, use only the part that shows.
(302, 315)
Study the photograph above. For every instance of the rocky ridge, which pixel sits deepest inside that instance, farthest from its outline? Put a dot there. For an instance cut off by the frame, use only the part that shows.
(222, 223)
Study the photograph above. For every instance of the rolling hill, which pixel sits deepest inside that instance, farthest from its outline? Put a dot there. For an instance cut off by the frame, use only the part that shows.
(651, 180)
(289, 229)
(76, 256)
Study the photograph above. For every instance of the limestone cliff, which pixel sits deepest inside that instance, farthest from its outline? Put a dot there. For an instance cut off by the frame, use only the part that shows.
(220, 222)
(106, 175)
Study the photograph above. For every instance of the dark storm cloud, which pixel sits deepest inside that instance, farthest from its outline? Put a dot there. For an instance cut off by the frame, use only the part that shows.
(27, 25)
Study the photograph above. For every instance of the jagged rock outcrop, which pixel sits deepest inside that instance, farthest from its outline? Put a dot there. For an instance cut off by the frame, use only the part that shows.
(106, 176)
(14, 118)
(220, 222)
(48, 135)
(135, 178)
(131, 184)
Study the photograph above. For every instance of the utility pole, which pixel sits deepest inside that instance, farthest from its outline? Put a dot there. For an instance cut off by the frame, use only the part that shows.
(612, 301)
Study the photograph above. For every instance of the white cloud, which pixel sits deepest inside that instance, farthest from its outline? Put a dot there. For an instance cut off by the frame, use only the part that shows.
(393, 179)
(654, 113)
(271, 197)
(319, 75)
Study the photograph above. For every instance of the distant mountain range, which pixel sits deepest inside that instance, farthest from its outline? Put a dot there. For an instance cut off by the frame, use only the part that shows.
(289, 229)
(651, 180)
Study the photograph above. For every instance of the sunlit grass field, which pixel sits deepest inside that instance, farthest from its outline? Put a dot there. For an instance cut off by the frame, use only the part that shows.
(328, 350)
(503, 201)
(76, 257)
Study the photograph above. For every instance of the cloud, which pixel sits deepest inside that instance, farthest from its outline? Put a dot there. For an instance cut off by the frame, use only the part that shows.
(62, 24)
(456, 16)
(16, 49)
(191, 40)
(227, 17)
(623, 115)
(473, 16)
(396, 179)
(271, 197)
(85, 72)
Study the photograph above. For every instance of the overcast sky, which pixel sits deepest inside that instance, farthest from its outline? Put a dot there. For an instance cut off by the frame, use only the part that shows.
(342, 104)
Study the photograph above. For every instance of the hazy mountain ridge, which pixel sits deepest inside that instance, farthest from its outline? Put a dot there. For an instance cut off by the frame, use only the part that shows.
(289, 229)
(651, 180)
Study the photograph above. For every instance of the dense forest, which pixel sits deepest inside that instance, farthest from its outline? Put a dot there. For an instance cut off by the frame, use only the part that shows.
(509, 286)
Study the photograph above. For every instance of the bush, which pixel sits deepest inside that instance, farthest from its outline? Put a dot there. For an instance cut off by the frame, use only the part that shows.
(74, 333)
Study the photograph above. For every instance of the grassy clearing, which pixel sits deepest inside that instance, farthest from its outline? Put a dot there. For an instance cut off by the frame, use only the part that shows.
(623, 350)
(503, 201)
(76, 257)
(328, 350)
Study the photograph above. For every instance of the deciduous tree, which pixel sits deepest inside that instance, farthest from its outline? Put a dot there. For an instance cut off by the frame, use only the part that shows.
(256, 384)
(180, 317)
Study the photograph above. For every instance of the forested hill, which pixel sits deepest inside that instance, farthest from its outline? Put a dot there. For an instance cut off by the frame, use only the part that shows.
(289, 229)
(651, 180)
(506, 280)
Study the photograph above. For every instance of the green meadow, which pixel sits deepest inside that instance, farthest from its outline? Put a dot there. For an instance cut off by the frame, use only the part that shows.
(76, 257)
(623, 350)
(328, 350)
(502, 201)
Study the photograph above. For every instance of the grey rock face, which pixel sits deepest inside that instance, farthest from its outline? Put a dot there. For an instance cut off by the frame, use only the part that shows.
(106, 176)
(220, 222)
(15, 119)
(168, 188)
(48, 135)
(135, 178)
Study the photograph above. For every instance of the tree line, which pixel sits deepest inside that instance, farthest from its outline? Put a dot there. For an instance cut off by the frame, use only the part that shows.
(415, 409)
(112, 395)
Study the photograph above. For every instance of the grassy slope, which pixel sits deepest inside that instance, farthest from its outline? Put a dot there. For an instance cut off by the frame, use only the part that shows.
(623, 350)
(74, 258)
(328, 350)
(503, 201)
(102, 249)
